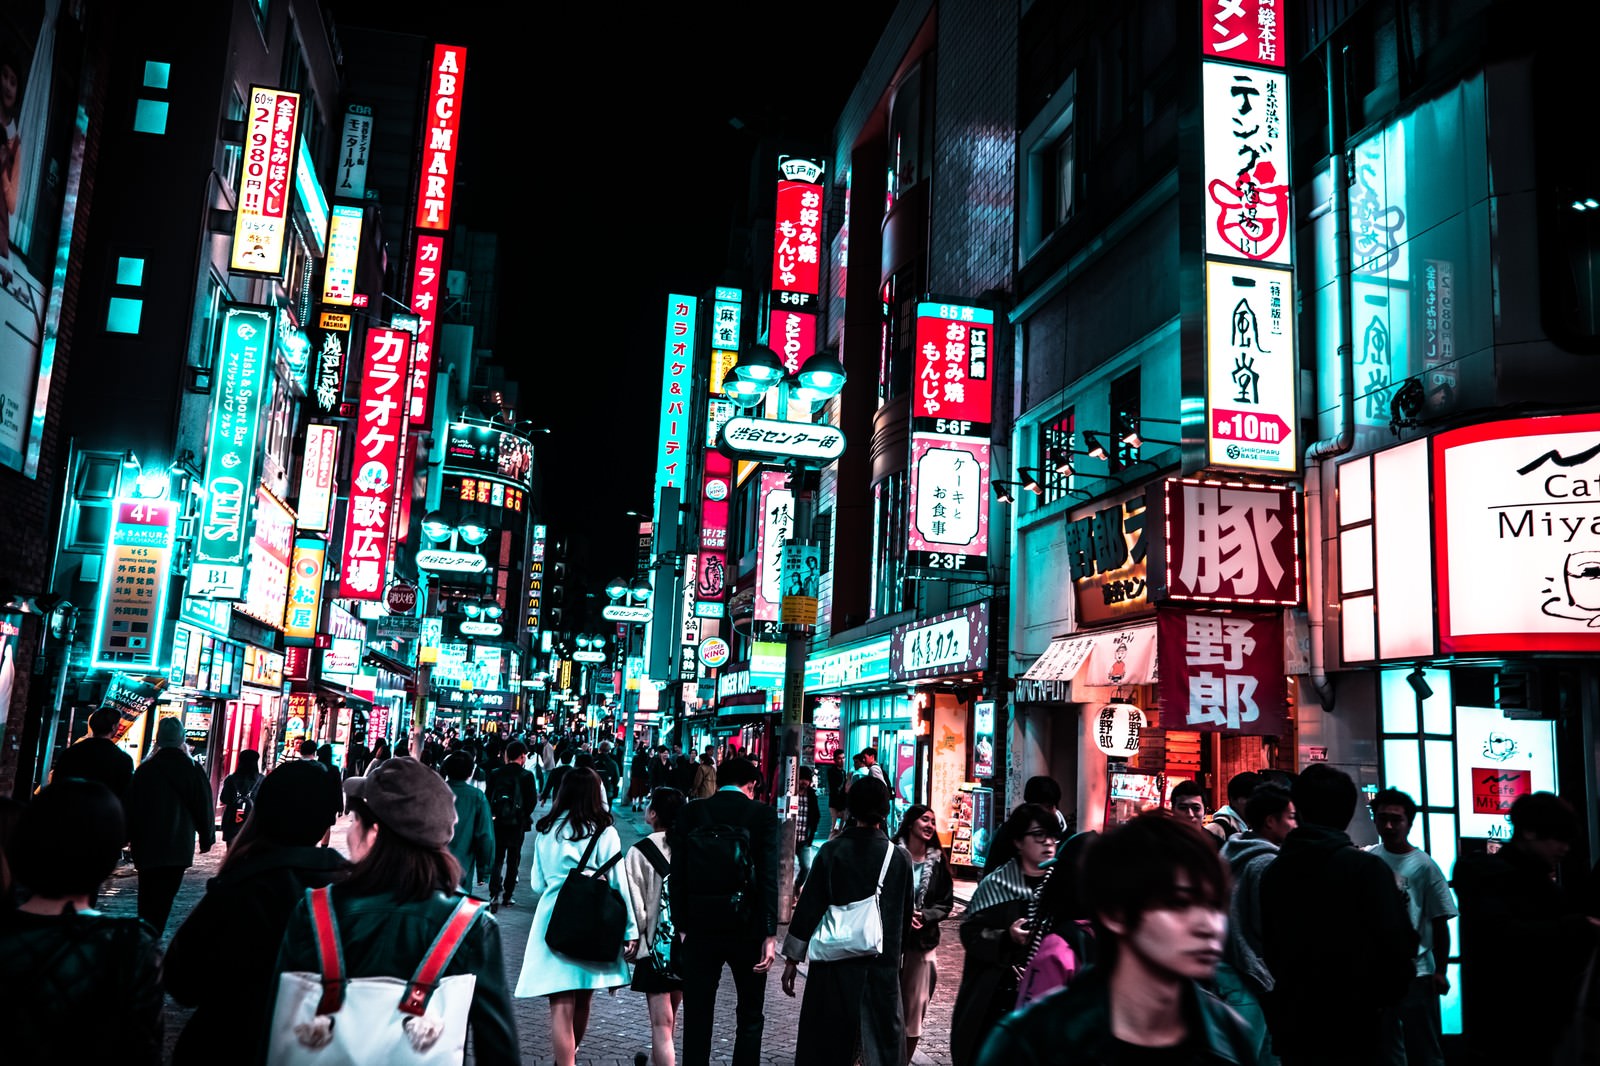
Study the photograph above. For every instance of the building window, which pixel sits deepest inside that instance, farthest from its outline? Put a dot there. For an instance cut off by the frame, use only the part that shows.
(889, 547)
(130, 271)
(208, 331)
(150, 116)
(908, 133)
(233, 153)
(1125, 416)
(123, 314)
(1055, 450)
(1064, 158)
(1050, 175)
(156, 74)
(900, 329)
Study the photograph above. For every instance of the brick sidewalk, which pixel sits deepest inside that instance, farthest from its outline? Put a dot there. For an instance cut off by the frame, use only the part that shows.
(619, 1025)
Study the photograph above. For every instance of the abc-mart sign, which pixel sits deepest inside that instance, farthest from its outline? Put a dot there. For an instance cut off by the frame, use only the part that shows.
(770, 439)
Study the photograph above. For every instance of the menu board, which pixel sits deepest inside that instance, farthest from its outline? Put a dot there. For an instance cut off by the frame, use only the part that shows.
(971, 825)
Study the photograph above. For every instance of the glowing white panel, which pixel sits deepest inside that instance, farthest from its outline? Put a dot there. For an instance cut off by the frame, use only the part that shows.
(1355, 491)
(1399, 703)
(1404, 551)
(1355, 630)
(1402, 767)
(1355, 560)
(1438, 762)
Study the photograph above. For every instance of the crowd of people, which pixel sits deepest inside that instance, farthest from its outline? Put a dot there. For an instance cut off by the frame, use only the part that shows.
(1256, 935)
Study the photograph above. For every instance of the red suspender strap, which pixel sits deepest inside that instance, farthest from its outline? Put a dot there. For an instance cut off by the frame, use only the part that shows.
(439, 955)
(329, 950)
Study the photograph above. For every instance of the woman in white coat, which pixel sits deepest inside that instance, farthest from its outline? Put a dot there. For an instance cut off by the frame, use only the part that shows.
(560, 838)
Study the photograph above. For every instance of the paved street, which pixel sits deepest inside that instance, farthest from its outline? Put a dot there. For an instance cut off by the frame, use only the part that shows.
(619, 1025)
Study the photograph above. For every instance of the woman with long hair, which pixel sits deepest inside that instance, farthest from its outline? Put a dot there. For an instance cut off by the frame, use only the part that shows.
(646, 868)
(932, 895)
(399, 895)
(578, 818)
(995, 931)
(223, 957)
(239, 794)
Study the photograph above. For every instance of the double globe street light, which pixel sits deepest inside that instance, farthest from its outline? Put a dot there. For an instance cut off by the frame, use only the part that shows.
(760, 369)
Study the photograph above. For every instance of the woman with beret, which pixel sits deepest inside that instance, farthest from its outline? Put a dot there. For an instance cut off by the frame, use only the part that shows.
(223, 957)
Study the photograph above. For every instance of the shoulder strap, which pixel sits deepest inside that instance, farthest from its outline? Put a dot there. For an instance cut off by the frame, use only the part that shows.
(653, 855)
(588, 851)
(884, 872)
(605, 867)
(434, 963)
(325, 928)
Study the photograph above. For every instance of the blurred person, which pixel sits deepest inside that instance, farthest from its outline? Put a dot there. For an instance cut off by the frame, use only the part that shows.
(1243, 980)
(239, 794)
(1335, 934)
(223, 958)
(398, 896)
(1060, 933)
(96, 757)
(1158, 892)
(646, 868)
(932, 896)
(473, 841)
(577, 819)
(512, 796)
(995, 933)
(76, 986)
(1229, 818)
(169, 807)
(705, 777)
(1046, 793)
(870, 767)
(1525, 941)
(605, 764)
(1415, 1028)
(552, 780)
(639, 779)
(852, 1010)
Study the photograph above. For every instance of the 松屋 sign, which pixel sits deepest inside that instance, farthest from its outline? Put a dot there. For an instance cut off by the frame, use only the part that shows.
(305, 590)
(261, 221)
(240, 384)
(948, 532)
(429, 265)
(797, 242)
(440, 126)
(1222, 672)
(677, 394)
(344, 250)
(130, 613)
(375, 465)
(1228, 542)
(956, 642)
(316, 476)
(1251, 372)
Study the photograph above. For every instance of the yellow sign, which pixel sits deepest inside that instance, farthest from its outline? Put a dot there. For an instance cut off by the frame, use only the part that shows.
(722, 363)
(334, 320)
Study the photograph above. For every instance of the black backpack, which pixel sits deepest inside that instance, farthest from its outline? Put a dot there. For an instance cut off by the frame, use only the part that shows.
(589, 917)
(506, 804)
(713, 877)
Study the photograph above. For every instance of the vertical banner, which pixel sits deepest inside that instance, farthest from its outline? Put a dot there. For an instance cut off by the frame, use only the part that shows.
(131, 609)
(1222, 673)
(716, 489)
(793, 335)
(440, 126)
(796, 262)
(530, 625)
(261, 221)
(1251, 371)
(344, 250)
(271, 547)
(317, 477)
(677, 394)
(774, 525)
(374, 466)
(326, 386)
(305, 591)
(953, 385)
(350, 177)
(239, 385)
(425, 280)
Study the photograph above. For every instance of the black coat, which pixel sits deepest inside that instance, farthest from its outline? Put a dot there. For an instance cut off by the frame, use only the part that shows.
(1339, 944)
(222, 958)
(529, 786)
(737, 809)
(988, 989)
(97, 759)
(168, 805)
(853, 1006)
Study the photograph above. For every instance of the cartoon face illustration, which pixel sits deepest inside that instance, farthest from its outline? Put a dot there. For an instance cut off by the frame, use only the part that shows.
(1580, 578)
(1499, 747)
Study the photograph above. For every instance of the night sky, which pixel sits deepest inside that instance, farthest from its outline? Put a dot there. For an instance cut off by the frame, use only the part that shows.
(596, 141)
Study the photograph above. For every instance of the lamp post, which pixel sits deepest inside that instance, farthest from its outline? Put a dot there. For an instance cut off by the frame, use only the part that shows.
(635, 593)
(437, 529)
(818, 380)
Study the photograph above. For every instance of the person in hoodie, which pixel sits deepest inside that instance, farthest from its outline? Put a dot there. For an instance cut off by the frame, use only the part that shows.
(1243, 980)
(1335, 933)
(223, 956)
(1229, 819)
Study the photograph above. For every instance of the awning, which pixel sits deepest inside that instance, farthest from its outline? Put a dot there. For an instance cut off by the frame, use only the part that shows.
(1103, 659)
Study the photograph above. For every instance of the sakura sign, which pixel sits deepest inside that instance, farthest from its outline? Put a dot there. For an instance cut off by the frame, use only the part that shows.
(1222, 673)
(948, 535)
(441, 124)
(797, 242)
(1246, 162)
(375, 465)
(1228, 542)
(1251, 373)
(953, 386)
(427, 268)
(1243, 31)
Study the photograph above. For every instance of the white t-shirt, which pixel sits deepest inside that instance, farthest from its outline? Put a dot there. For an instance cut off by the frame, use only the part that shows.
(1427, 896)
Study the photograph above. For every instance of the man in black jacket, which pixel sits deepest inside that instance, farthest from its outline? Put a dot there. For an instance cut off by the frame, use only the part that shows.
(96, 757)
(168, 802)
(513, 794)
(1336, 935)
(746, 939)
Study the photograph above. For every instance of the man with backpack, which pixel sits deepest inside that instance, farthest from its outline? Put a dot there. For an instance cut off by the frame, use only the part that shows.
(725, 905)
(512, 797)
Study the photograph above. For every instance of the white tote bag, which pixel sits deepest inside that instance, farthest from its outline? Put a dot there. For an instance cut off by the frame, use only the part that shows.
(852, 930)
(328, 1019)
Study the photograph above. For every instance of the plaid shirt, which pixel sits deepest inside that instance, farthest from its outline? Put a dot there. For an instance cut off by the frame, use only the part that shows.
(807, 813)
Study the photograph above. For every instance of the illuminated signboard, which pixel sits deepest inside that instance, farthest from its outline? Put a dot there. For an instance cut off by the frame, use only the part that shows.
(240, 385)
(270, 552)
(677, 393)
(1106, 554)
(492, 493)
(953, 386)
(948, 534)
(317, 476)
(486, 451)
(312, 201)
(1251, 372)
(344, 249)
(726, 313)
(1230, 542)
(530, 625)
(343, 656)
(775, 524)
(132, 606)
(428, 267)
(793, 335)
(374, 466)
(956, 642)
(1221, 672)
(355, 142)
(716, 490)
(261, 220)
(1247, 162)
(1245, 31)
(797, 242)
(441, 124)
(305, 590)
(327, 370)
(775, 440)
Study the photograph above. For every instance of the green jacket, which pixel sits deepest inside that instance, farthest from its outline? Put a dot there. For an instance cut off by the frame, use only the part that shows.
(473, 842)
(1072, 1027)
(384, 937)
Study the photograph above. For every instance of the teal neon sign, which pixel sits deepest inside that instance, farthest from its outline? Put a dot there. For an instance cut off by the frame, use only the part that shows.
(136, 576)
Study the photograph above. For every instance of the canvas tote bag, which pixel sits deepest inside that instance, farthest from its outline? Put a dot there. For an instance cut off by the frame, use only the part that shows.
(852, 930)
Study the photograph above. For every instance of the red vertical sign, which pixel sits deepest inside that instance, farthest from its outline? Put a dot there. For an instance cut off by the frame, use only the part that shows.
(427, 270)
(716, 489)
(374, 467)
(440, 126)
(798, 240)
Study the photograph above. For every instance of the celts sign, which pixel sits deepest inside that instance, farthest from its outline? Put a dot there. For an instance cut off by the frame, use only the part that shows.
(758, 439)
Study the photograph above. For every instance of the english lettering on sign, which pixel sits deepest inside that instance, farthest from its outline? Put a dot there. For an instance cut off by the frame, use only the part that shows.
(439, 144)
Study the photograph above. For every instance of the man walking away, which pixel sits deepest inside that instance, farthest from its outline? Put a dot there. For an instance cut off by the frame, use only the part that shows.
(1414, 1028)
(725, 902)
(1337, 939)
(512, 798)
(96, 757)
(1524, 941)
(605, 764)
(169, 804)
(1229, 818)
(809, 816)
(1243, 980)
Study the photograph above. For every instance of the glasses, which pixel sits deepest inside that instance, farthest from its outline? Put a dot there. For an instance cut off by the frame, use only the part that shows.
(1041, 836)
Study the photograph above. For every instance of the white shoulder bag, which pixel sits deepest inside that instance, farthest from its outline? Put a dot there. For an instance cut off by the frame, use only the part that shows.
(852, 930)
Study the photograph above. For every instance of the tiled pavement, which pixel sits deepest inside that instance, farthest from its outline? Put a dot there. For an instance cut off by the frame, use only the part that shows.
(619, 1026)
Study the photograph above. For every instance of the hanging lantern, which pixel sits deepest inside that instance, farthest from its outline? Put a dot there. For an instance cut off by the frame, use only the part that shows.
(1116, 729)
